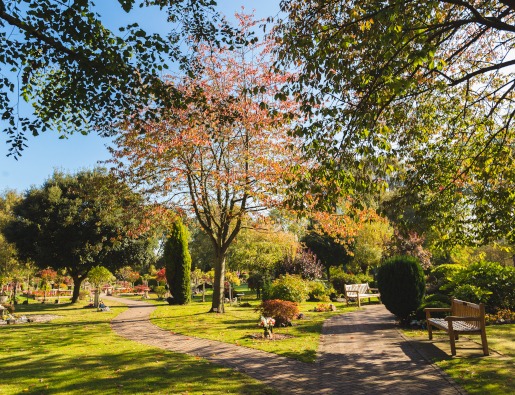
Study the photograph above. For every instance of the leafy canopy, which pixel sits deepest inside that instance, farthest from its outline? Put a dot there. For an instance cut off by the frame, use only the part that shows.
(77, 73)
(76, 222)
(427, 83)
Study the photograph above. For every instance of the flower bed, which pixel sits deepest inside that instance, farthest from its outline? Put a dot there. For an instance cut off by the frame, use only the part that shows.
(501, 317)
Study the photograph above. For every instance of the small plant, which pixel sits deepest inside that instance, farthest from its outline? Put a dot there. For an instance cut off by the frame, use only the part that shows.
(319, 291)
(160, 291)
(282, 311)
(83, 294)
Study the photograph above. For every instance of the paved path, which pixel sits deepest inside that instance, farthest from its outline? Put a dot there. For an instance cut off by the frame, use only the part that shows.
(360, 353)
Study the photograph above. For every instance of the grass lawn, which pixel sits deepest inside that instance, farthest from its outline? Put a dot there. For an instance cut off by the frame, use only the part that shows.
(238, 324)
(80, 354)
(483, 375)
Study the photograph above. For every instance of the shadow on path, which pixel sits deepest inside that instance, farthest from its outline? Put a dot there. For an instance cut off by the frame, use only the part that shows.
(359, 353)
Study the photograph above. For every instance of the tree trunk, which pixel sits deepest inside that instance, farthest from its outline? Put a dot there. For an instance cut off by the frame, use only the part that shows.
(218, 284)
(77, 281)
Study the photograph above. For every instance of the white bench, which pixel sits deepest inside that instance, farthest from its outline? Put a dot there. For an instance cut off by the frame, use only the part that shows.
(360, 291)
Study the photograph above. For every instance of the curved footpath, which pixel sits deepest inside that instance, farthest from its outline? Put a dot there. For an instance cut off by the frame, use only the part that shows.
(360, 352)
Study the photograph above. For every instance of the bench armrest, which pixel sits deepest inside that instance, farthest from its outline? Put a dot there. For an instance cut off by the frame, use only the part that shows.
(454, 318)
(428, 310)
(350, 293)
(374, 289)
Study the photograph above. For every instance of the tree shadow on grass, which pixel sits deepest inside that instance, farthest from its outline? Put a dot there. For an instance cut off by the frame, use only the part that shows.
(155, 371)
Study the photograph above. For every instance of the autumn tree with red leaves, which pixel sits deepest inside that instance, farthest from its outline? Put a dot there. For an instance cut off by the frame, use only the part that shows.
(227, 159)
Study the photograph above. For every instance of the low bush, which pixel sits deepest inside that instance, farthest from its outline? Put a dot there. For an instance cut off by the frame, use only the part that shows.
(289, 287)
(280, 310)
(402, 284)
(83, 294)
(152, 282)
(446, 270)
(160, 291)
(318, 290)
(438, 298)
(485, 282)
(471, 293)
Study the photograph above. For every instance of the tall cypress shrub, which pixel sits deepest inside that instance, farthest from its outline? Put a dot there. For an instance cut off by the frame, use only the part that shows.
(178, 264)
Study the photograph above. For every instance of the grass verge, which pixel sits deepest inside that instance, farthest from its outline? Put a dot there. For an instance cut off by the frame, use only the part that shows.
(79, 354)
(482, 375)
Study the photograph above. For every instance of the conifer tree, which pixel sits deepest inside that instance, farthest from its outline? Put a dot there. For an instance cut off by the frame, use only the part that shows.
(178, 264)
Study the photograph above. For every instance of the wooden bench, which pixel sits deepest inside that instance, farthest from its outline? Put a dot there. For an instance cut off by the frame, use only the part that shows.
(466, 318)
(360, 291)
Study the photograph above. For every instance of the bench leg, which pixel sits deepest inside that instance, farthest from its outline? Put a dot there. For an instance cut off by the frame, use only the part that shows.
(430, 330)
(380, 300)
(359, 301)
(484, 343)
(369, 301)
(452, 339)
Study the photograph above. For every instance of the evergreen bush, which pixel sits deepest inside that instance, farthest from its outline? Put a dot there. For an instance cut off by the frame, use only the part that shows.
(178, 264)
(401, 283)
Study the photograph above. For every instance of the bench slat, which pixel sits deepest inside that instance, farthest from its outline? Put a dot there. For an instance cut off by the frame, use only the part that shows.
(458, 326)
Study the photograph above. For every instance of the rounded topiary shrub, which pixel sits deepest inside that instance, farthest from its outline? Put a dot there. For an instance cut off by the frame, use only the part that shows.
(402, 284)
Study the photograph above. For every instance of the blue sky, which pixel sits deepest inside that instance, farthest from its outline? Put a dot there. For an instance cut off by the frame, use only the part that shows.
(47, 151)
